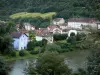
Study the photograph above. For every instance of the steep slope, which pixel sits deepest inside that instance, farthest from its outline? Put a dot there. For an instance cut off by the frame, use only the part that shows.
(64, 8)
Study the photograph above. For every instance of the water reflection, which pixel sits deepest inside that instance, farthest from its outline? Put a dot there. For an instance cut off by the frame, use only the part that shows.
(18, 67)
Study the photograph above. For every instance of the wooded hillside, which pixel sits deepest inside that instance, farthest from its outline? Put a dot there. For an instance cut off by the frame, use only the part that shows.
(64, 8)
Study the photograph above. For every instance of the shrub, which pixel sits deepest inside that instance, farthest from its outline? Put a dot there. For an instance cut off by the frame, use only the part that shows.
(58, 37)
(13, 53)
(32, 44)
(22, 53)
(71, 39)
(53, 47)
(34, 52)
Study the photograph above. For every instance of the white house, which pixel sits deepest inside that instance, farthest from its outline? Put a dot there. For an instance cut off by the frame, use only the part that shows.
(58, 21)
(20, 40)
(29, 27)
(77, 23)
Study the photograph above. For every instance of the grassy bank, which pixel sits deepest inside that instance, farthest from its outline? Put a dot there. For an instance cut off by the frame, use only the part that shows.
(17, 57)
(32, 15)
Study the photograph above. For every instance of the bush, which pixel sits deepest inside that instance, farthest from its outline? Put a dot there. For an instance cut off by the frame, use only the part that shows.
(53, 47)
(32, 44)
(34, 52)
(13, 53)
(22, 53)
(71, 39)
(58, 37)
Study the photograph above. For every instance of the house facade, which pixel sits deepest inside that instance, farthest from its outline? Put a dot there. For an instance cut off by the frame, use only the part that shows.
(77, 23)
(29, 27)
(20, 40)
(63, 26)
(58, 21)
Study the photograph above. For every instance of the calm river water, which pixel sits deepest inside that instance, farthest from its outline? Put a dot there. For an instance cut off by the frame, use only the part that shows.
(74, 60)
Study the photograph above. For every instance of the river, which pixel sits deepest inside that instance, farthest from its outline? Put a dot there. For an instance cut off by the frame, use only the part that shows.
(75, 60)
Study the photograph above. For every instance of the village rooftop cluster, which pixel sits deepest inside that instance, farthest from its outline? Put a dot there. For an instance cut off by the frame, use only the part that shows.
(59, 26)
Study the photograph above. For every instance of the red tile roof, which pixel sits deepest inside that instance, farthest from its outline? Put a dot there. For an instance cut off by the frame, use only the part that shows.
(52, 26)
(43, 32)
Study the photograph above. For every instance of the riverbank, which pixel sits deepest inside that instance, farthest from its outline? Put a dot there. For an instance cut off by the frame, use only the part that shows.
(28, 55)
(17, 57)
(74, 60)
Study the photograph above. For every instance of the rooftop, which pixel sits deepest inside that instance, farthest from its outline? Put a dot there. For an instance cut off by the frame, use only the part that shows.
(16, 34)
(86, 20)
(58, 19)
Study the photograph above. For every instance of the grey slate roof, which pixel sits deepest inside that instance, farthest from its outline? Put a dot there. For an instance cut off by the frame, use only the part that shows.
(17, 34)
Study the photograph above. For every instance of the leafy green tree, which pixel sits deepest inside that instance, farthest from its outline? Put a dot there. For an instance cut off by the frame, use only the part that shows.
(71, 39)
(5, 37)
(50, 63)
(32, 44)
(76, 8)
(3, 67)
(58, 37)
(31, 35)
(44, 42)
(93, 65)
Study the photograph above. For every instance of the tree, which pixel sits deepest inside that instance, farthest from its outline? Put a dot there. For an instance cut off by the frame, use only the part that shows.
(50, 63)
(44, 42)
(58, 37)
(5, 37)
(93, 65)
(31, 45)
(71, 39)
(3, 67)
(31, 35)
